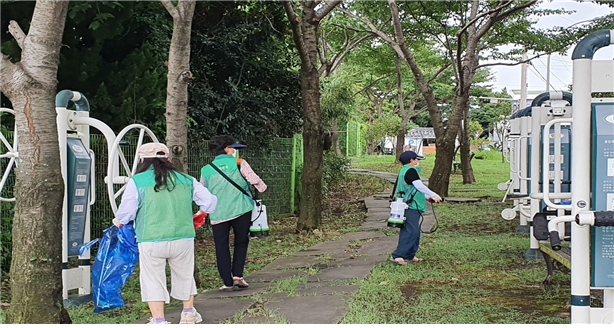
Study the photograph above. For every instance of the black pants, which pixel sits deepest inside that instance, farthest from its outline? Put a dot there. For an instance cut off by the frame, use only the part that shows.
(226, 266)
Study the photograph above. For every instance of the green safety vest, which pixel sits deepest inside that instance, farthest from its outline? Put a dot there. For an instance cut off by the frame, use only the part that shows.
(163, 215)
(412, 196)
(231, 202)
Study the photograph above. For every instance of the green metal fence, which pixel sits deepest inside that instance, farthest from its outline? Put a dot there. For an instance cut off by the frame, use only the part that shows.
(350, 138)
(277, 165)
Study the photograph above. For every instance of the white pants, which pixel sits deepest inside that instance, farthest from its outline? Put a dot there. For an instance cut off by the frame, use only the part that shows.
(152, 261)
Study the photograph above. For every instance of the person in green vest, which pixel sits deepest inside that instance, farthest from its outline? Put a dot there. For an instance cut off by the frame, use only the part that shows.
(414, 193)
(159, 200)
(229, 180)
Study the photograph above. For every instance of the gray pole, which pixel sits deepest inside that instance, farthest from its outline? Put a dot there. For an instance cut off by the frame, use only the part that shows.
(523, 83)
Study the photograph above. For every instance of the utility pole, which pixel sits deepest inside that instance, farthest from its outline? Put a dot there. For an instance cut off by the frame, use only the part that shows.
(548, 74)
(523, 82)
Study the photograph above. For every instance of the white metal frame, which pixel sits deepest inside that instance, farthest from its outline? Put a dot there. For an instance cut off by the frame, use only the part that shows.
(585, 81)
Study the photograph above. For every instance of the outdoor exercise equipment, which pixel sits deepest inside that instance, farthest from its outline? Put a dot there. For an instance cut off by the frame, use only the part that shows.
(571, 173)
(592, 171)
(78, 171)
(550, 158)
(516, 187)
(12, 153)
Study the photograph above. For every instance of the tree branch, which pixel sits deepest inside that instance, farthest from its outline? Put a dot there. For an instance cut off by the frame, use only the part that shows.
(8, 75)
(297, 33)
(326, 8)
(515, 9)
(441, 70)
(338, 57)
(350, 28)
(170, 8)
(471, 22)
(17, 33)
(372, 83)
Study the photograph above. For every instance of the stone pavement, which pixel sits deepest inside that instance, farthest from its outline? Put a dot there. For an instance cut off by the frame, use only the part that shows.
(320, 280)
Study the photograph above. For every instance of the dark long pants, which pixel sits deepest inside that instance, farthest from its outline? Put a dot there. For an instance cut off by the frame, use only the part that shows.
(409, 236)
(226, 266)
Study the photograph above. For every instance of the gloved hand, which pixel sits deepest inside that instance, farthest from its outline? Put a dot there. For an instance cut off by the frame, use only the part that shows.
(199, 219)
(117, 223)
(435, 199)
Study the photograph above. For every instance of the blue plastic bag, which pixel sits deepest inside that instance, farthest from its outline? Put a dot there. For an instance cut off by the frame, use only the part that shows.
(117, 256)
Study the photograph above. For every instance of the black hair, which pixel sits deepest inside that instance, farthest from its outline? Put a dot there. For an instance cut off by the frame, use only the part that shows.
(217, 144)
(163, 168)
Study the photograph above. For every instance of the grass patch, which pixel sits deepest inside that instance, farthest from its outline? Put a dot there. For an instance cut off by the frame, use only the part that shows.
(288, 285)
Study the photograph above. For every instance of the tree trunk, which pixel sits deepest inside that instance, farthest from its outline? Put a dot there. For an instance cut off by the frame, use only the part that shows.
(403, 128)
(310, 216)
(178, 76)
(36, 267)
(465, 149)
(439, 181)
(305, 35)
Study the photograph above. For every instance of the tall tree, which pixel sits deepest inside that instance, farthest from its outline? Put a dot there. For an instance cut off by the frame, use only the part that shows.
(179, 75)
(465, 31)
(305, 34)
(30, 84)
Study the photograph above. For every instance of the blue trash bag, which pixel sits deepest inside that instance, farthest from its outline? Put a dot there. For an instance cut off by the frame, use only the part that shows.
(117, 256)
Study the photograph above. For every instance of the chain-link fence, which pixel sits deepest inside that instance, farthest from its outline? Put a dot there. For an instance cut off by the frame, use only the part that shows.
(277, 165)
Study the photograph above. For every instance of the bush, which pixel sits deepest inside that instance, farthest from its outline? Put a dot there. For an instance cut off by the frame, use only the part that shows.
(335, 170)
(6, 222)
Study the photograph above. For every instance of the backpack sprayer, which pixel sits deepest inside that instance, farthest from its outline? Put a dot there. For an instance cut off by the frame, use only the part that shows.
(397, 212)
(259, 227)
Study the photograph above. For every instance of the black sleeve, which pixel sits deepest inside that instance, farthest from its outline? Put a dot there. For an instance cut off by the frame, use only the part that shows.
(411, 175)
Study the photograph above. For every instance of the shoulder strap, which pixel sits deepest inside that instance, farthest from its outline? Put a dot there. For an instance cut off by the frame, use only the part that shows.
(230, 180)
(394, 189)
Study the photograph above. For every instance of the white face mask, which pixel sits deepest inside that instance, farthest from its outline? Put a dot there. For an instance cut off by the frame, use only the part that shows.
(234, 153)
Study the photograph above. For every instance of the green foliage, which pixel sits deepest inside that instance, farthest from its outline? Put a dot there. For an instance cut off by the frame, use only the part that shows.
(6, 222)
(336, 98)
(386, 125)
(245, 78)
(334, 171)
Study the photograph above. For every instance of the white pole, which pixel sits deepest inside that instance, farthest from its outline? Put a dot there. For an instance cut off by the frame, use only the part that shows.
(580, 194)
(548, 74)
(523, 83)
(582, 57)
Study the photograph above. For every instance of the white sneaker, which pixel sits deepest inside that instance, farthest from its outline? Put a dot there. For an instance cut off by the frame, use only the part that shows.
(191, 317)
(153, 321)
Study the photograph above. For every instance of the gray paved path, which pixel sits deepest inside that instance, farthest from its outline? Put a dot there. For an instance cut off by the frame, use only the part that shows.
(326, 272)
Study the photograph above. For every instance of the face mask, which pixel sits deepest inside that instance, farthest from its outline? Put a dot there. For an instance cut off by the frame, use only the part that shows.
(234, 154)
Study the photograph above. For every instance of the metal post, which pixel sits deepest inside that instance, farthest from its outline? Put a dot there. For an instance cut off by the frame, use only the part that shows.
(581, 171)
(293, 173)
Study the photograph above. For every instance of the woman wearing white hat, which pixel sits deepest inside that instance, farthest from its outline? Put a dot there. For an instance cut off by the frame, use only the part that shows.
(159, 200)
